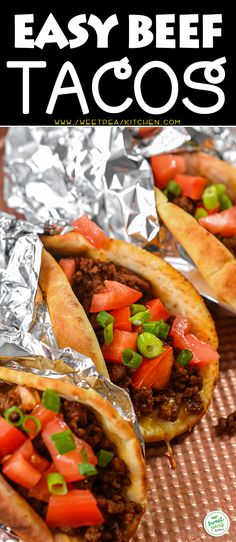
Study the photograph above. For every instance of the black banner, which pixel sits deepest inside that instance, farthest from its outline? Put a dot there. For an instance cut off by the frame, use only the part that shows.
(142, 67)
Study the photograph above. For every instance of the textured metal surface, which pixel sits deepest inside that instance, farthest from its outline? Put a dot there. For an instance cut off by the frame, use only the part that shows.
(205, 477)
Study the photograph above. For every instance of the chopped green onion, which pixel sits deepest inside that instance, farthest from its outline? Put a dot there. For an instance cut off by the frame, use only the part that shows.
(36, 422)
(84, 455)
(210, 198)
(64, 441)
(51, 400)
(184, 357)
(225, 202)
(158, 328)
(220, 189)
(14, 410)
(137, 308)
(104, 318)
(56, 484)
(108, 333)
(104, 458)
(200, 213)
(140, 317)
(86, 469)
(174, 188)
(131, 359)
(149, 345)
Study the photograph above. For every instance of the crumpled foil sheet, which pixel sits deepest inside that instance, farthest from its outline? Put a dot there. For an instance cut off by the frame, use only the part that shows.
(61, 173)
(55, 174)
(20, 259)
(223, 140)
(23, 352)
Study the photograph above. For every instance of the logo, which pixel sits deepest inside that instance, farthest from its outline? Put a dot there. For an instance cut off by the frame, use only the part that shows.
(216, 523)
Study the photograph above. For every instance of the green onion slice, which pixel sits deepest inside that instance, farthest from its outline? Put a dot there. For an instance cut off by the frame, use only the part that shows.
(174, 188)
(108, 333)
(104, 458)
(84, 455)
(225, 202)
(56, 484)
(137, 308)
(51, 400)
(220, 189)
(140, 317)
(210, 197)
(14, 409)
(64, 441)
(185, 357)
(158, 328)
(131, 359)
(104, 318)
(86, 469)
(149, 345)
(36, 425)
(200, 213)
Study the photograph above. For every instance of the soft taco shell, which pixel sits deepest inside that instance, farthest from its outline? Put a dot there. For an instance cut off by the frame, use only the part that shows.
(213, 259)
(69, 321)
(172, 288)
(17, 513)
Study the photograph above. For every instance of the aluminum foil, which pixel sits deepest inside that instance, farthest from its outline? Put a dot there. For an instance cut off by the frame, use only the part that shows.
(20, 258)
(55, 174)
(61, 173)
(223, 140)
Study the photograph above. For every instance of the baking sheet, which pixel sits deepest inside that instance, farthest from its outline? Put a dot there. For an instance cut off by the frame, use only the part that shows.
(205, 477)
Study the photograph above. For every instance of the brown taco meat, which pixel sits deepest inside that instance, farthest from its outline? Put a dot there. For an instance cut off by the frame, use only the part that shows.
(177, 404)
(76, 473)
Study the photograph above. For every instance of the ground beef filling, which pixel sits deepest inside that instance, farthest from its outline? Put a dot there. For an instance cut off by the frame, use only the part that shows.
(230, 244)
(90, 278)
(184, 202)
(182, 391)
(227, 426)
(185, 383)
(107, 486)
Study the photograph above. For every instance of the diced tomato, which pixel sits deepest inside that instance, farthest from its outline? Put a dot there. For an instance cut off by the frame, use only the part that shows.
(67, 464)
(69, 266)
(154, 373)
(122, 319)
(179, 328)
(147, 132)
(121, 340)
(31, 455)
(41, 491)
(165, 167)
(77, 508)
(91, 231)
(114, 296)
(202, 352)
(10, 438)
(192, 186)
(223, 223)
(158, 310)
(44, 415)
(20, 470)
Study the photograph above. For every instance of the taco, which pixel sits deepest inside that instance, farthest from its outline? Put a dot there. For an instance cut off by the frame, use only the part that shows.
(196, 197)
(154, 330)
(71, 468)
